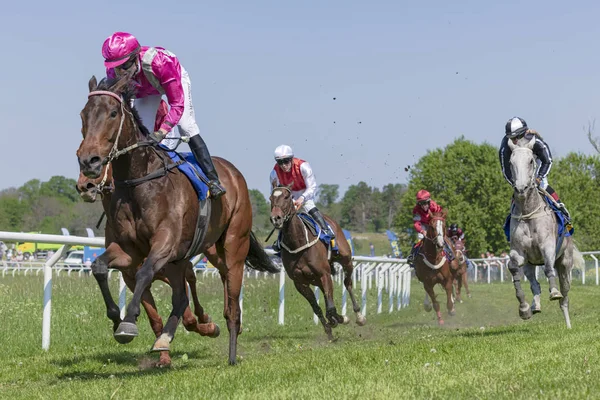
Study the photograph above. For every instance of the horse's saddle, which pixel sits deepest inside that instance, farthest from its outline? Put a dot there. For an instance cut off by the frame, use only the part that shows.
(314, 228)
(564, 229)
(190, 168)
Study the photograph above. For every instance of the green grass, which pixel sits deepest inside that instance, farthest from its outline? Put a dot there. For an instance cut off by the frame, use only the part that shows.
(485, 351)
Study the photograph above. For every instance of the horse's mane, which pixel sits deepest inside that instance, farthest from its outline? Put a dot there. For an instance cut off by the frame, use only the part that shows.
(128, 95)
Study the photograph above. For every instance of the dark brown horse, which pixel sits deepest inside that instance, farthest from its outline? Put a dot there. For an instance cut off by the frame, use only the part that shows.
(89, 189)
(432, 266)
(461, 274)
(305, 259)
(154, 213)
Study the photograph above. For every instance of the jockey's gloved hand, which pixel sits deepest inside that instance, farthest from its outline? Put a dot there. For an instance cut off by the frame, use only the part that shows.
(157, 136)
(538, 181)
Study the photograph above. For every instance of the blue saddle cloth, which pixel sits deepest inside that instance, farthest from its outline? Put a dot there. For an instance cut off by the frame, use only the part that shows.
(192, 170)
(326, 239)
(562, 223)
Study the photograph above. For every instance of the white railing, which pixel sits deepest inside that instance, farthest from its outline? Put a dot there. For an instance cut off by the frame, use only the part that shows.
(389, 274)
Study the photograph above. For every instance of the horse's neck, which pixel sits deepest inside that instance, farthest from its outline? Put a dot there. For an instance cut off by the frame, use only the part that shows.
(430, 249)
(532, 202)
(294, 230)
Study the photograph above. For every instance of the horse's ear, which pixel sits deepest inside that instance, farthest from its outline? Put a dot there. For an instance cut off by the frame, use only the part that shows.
(511, 145)
(531, 143)
(93, 83)
(290, 186)
(124, 82)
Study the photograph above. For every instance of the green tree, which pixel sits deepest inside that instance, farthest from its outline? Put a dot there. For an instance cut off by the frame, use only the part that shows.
(327, 195)
(261, 211)
(465, 178)
(356, 207)
(60, 187)
(575, 179)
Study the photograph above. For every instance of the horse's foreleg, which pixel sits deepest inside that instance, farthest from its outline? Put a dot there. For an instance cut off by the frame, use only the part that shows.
(536, 290)
(159, 254)
(458, 281)
(549, 259)
(449, 300)
(156, 323)
(436, 306)
(308, 294)
(563, 266)
(114, 257)
(348, 268)
(514, 266)
(330, 310)
(176, 275)
(464, 280)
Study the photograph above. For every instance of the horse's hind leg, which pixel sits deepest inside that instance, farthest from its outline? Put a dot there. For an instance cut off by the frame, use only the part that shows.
(348, 268)
(308, 294)
(190, 277)
(536, 290)
(464, 280)
(564, 277)
(176, 275)
(514, 267)
(458, 283)
(549, 260)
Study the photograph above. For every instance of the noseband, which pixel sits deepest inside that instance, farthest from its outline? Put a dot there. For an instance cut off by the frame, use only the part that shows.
(289, 215)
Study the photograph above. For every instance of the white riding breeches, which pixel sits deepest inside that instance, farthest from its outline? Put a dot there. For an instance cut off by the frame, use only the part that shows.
(147, 108)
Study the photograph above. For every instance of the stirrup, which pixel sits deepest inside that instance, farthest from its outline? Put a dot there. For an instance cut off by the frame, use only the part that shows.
(216, 190)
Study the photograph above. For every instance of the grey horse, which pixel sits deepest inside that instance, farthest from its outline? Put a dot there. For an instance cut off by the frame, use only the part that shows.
(534, 234)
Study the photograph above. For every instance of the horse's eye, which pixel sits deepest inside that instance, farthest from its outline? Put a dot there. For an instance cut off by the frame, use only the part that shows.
(113, 114)
(531, 162)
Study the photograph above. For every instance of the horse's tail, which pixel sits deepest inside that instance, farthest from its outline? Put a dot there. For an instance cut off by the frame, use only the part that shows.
(258, 259)
(578, 260)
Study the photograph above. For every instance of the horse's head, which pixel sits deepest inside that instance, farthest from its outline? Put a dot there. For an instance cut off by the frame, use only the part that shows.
(89, 188)
(104, 123)
(437, 228)
(282, 205)
(523, 165)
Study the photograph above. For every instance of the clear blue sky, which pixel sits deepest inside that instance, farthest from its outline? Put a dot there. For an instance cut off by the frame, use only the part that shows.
(415, 74)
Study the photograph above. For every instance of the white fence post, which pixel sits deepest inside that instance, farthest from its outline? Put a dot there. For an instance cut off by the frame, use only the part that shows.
(596, 265)
(315, 318)
(122, 295)
(47, 314)
(281, 296)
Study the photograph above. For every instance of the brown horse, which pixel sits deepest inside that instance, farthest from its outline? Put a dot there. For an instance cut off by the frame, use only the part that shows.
(305, 259)
(461, 274)
(89, 189)
(154, 215)
(432, 266)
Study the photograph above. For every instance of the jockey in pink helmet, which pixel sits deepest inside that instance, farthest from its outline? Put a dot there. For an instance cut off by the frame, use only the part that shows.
(158, 72)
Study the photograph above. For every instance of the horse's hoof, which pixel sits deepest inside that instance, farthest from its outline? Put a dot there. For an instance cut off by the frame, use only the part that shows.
(525, 313)
(360, 319)
(555, 294)
(452, 313)
(333, 323)
(206, 319)
(345, 320)
(535, 310)
(162, 343)
(427, 307)
(126, 332)
(216, 332)
(440, 322)
(470, 295)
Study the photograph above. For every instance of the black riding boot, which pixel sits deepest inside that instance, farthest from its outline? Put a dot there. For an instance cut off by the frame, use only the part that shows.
(413, 253)
(316, 214)
(202, 155)
(449, 252)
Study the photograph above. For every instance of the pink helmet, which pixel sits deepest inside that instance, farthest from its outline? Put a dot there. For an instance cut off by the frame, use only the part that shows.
(118, 48)
(423, 195)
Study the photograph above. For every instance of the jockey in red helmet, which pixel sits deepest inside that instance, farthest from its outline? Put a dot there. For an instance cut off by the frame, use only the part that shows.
(422, 217)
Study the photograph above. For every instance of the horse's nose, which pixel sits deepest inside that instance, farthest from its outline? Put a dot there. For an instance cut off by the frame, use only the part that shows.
(276, 219)
(90, 166)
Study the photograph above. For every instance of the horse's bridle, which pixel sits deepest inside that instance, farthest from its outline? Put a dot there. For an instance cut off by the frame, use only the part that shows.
(289, 215)
(432, 220)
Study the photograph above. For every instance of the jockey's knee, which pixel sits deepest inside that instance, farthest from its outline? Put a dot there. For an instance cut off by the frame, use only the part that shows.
(308, 205)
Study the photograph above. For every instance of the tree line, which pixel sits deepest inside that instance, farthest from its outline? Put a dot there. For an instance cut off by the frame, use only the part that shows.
(464, 177)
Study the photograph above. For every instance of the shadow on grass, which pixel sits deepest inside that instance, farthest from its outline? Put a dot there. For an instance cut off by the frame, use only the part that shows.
(128, 358)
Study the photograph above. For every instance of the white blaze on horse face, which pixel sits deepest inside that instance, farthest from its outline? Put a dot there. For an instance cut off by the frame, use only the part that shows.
(277, 193)
(440, 232)
(523, 166)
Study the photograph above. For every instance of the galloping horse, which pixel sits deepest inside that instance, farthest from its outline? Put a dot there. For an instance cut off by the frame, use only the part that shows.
(305, 258)
(89, 189)
(154, 213)
(432, 266)
(461, 274)
(534, 238)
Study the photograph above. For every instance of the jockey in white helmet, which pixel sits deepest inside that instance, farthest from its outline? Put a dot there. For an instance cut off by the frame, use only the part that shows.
(291, 170)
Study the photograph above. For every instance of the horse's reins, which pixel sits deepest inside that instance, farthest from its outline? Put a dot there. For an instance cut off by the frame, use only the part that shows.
(290, 215)
(425, 260)
(116, 153)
